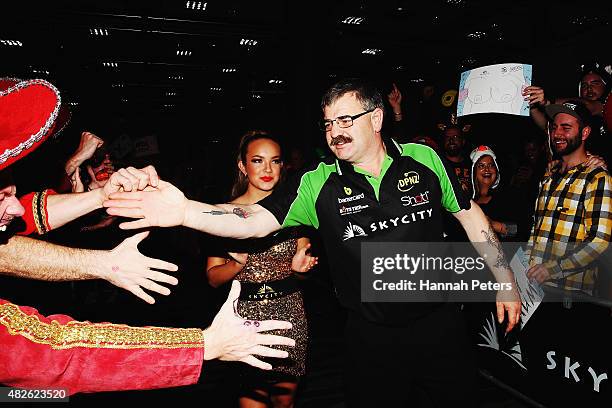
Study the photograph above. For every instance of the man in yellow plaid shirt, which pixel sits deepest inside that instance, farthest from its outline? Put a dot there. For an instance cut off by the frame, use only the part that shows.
(573, 217)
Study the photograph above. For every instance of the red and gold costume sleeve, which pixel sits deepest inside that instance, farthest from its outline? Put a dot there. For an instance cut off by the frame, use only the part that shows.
(36, 218)
(57, 351)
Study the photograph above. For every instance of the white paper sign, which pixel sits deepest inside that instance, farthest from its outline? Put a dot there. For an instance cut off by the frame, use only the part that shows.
(494, 89)
(531, 292)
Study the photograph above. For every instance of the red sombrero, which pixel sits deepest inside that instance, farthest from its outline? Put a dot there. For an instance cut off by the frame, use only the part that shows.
(28, 112)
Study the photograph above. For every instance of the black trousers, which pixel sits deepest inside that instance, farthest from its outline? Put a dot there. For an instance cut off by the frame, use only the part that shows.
(427, 363)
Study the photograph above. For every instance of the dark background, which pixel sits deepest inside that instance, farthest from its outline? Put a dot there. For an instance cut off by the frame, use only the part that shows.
(306, 45)
(198, 105)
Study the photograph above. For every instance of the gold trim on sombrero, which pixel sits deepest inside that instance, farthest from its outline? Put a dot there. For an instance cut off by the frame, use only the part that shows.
(95, 335)
(16, 151)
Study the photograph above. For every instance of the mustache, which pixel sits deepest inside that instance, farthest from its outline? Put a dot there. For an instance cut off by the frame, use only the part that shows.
(340, 139)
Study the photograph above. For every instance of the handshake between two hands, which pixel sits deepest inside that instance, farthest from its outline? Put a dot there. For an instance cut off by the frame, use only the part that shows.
(141, 194)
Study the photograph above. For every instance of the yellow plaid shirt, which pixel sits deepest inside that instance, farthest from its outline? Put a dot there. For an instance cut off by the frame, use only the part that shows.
(573, 224)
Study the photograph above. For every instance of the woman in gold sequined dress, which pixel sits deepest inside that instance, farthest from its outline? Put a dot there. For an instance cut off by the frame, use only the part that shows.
(265, 269)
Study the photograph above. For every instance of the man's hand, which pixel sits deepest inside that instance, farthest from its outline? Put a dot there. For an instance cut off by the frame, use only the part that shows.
(395, 100)
(535, 96)
(499, 227)
(87, 147)
(593, 161)
(511, 303)
(131, 179)
(232, 338)
(539, 272)
(164, 206)
(76, 182)
(125, 267)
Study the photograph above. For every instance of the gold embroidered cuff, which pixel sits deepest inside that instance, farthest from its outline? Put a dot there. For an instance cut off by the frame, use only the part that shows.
(95, 335)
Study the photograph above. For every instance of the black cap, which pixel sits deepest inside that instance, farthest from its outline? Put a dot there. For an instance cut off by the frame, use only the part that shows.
(574, 108)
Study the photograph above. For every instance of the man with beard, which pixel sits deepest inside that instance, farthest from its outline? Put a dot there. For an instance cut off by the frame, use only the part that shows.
(453, 143)
(593, 89)
(573, 219)
(453, 147)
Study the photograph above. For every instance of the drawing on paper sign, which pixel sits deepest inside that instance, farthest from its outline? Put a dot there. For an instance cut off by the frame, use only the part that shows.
(494, 89)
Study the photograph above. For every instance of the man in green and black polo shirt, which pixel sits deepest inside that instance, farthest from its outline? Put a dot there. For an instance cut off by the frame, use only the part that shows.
(375, 190)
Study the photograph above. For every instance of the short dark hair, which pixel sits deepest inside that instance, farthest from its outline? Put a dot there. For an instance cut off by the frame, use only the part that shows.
(366, 93)
(456, 127)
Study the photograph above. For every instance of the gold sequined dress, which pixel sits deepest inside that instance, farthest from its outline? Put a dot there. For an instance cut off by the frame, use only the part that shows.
(266, 265)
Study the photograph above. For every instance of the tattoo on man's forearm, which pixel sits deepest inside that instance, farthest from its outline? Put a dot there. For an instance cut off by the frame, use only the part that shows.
(239, 212)
(492, 240)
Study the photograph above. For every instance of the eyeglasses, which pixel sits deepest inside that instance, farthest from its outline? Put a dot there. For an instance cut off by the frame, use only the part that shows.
(482, 166)
(342, 121)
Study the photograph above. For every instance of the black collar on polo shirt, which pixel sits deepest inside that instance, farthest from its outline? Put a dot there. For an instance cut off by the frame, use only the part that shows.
(394, 150)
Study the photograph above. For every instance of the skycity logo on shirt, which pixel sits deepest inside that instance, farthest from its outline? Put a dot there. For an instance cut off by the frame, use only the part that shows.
(418, 199)
(405, 219)
(408, 182)
(352, 231)
(351, 198)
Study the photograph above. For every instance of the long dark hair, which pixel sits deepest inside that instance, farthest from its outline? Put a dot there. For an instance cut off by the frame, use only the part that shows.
(241, 183)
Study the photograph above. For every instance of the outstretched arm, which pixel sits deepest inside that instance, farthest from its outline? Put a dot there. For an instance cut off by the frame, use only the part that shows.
(167, 206)
(117, 357)
(230, 220)
(63, 208)
(124, 266)
(479, 230)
